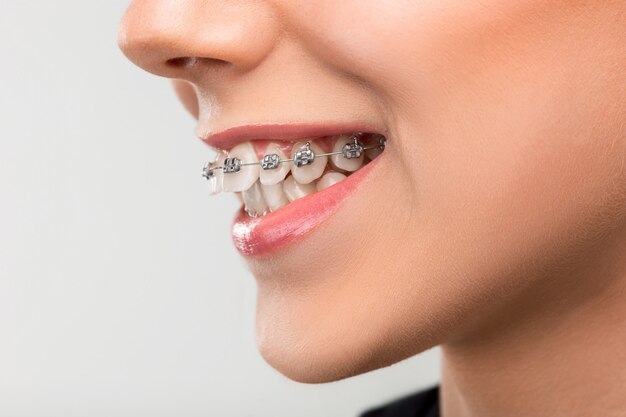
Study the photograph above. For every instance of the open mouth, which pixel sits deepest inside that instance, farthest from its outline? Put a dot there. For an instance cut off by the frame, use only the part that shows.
(289, 187)
(275, 180)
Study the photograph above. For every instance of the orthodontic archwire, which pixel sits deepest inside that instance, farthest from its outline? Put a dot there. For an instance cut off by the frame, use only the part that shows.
(305, 156)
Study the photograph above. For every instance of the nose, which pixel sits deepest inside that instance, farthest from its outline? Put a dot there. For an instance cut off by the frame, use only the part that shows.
(183, 38)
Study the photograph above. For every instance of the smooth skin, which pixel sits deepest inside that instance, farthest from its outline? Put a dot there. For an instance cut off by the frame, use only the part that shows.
(501, 233)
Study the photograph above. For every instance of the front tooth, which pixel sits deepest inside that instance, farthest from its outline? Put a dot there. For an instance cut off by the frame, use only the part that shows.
(253, 200)
(308, 173)
(330, 178)
(276, 175)
(217, 177)
(274, 196)
(247, 175)
(294, 190)
(341, 162)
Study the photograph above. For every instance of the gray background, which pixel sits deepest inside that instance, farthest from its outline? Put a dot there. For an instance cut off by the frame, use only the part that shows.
(120, 292)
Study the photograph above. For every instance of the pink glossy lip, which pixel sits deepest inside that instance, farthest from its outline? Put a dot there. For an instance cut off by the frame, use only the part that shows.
(263, 235)
(228, 138)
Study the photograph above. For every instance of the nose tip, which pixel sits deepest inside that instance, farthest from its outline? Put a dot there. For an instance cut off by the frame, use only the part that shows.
(170, 38)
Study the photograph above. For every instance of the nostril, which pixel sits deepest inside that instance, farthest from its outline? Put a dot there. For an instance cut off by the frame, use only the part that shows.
(180, 62)
(189, 62)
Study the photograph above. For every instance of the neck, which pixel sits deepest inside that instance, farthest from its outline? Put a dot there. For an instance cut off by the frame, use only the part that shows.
(564, 356)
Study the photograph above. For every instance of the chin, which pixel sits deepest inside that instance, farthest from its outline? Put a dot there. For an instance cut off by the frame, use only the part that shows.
(314, 335)
(314, 352)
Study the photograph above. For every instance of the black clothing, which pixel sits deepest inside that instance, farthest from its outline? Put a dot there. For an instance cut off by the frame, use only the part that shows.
(421, 404)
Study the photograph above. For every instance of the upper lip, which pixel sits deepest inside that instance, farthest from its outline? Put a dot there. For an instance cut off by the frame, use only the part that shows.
(228, 138)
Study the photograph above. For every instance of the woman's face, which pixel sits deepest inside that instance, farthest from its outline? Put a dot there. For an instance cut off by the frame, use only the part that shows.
(504, 159)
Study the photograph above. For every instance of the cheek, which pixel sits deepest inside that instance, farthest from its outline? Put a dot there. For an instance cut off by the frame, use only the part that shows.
(484, 103)
(397, 44)
(497, 161)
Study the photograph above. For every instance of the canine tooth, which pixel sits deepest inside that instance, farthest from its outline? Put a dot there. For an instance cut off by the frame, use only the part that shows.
(274, 196)
(341, 162)
(330, 178)
(294, 190)
(254, 202)
(247, 175)
(278, 174)
(216, 177)
(306, 174)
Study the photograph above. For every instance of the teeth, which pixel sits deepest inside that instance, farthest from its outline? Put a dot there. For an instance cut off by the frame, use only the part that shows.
(341, 162)
(330, 178)
(294, 190)
(247, 175)
(265, 185)
(253, 200)
(278, 174)
(306, 174)
(373, 153)
(217, 176)
(274, 196)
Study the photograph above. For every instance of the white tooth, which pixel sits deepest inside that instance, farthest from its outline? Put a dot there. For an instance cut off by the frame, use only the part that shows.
(339, 161)
(294, 190)
(247, 176)
(373, 153)
(308, 173)
(254, 202)
(215, 182)
(274, 176)
(274, 196)
(330, 178)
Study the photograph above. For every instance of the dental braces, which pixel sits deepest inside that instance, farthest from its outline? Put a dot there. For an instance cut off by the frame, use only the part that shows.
(305, 156)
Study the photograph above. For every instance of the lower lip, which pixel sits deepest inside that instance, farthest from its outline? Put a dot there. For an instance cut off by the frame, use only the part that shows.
(264, 235)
